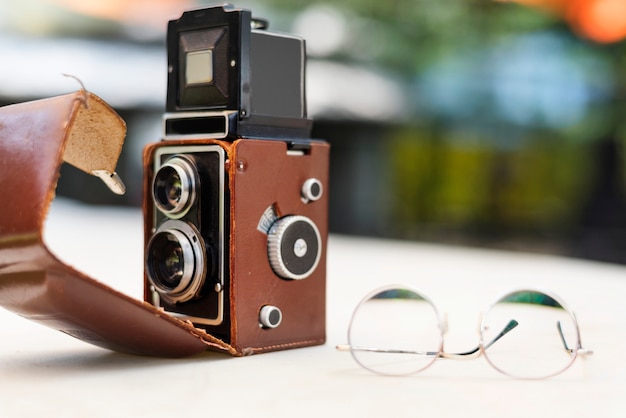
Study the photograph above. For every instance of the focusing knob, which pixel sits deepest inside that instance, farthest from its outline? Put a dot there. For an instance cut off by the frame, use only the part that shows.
(294, 247)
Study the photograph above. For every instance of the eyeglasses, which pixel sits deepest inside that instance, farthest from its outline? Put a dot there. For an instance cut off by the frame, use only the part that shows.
(527, 334)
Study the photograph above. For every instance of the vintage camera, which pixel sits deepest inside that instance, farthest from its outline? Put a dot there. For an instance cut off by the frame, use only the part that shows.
(235, 199)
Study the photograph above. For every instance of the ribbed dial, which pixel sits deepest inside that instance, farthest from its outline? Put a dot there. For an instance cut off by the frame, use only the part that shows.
(294, 247)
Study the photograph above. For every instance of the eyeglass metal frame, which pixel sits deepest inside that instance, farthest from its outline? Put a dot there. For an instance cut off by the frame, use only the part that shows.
(480, 350)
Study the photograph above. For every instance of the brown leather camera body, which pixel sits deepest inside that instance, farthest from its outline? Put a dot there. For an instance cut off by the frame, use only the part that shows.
(260, 175)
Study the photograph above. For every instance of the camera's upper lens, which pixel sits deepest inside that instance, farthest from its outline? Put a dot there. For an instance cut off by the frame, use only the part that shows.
(175, 261)
(173, 187)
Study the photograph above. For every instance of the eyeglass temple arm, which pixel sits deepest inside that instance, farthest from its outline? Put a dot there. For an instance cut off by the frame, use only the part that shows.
(582, 351)
(346, 347)
(512, 324)
(509, 326)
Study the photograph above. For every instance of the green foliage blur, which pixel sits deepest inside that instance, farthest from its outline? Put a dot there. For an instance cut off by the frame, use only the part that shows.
(514, 138)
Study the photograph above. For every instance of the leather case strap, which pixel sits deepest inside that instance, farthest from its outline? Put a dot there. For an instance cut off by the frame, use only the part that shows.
(35, 138)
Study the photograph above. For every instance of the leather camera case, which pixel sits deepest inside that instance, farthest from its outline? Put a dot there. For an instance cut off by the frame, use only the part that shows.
(261, 174)
(81, 129)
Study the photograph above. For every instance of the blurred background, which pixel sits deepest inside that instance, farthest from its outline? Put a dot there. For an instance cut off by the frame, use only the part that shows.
(496, 124)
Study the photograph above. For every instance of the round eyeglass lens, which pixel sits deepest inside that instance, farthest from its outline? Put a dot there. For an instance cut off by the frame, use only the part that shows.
(395, 331)
(529, 334)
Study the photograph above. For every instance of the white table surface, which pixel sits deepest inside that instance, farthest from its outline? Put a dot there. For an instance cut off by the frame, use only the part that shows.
(47, 373)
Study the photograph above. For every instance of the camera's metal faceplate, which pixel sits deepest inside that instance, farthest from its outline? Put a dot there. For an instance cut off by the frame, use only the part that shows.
(207, 216)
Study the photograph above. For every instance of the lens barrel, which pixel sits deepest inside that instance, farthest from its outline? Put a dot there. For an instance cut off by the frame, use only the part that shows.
(175, 260)
(174, 186)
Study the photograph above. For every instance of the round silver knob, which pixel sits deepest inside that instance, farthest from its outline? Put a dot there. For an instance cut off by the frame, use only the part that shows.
(312, 190)
(294, 247)
(270, 316)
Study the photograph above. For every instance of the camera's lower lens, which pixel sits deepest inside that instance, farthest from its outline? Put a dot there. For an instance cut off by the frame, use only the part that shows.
(175, 261)
(173, 187)
(171, 270)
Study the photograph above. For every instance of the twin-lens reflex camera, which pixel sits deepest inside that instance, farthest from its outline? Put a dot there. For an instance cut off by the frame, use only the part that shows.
(236, 193)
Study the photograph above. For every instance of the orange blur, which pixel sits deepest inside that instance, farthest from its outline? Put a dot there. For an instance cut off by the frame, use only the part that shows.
(145, 12)
(602, 21)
